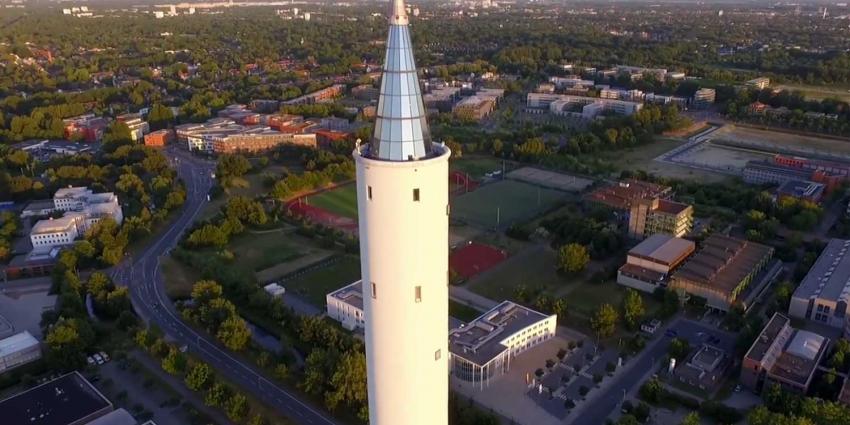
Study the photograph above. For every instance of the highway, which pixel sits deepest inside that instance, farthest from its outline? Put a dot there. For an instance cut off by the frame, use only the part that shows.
(147, 291)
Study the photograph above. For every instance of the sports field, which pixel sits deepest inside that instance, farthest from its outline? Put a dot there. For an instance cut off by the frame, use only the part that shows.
(340, 200)
(313, 285)
(502, 203)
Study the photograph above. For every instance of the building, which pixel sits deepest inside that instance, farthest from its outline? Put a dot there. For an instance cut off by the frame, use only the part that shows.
(159, 138)
(784, 356)
(44, 149)
(704, 98)
(474, 108)
(483, 349)
(441, 98)
(274, 290)
(801, 189)
(646, 207)
(766, 172)
(345, 305)
(335, 124)
(18, 350)
(650, 263)
(760, 83)
(781, 169)
(705, 368)
(85, 127)
(402, 204)
(93, 206)
(324, 95)
(53, 232)
(724, 272)
(224, 136)
(824, 292)
(138, 126)
(67, 400)
(580, 106)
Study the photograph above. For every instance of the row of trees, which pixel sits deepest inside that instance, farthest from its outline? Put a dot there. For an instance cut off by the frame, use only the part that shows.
(217, 315)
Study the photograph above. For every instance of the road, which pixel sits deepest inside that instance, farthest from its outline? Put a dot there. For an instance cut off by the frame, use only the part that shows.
(147, 291)
(596, 409)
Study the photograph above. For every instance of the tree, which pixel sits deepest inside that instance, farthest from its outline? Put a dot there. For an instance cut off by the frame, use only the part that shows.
(232, 166)
(116, 134)
(198, 377)
(679, 348)
(604, 321)
(217, 395)
(67, 342)
(237, 407)
(174, 362)
(234, 333)
(159, 116)
(573, 257)
(691, 419)
(633, 309)
(348, 383)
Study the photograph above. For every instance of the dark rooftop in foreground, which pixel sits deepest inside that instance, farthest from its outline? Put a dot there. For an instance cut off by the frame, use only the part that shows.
(67, 400)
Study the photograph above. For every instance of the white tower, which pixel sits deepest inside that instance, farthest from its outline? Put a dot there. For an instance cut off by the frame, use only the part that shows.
(402, 201)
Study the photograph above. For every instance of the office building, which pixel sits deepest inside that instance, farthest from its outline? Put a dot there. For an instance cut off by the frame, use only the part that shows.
(646, 207)
(18, 350)
(783, 356)
(482, 349)
(725, 272)
(403, 206)
(67, 400)
(760, 83)
(824, 292)
(159, 138)
(579, 106)
(93, 206)
(704, 98)
(54, 232)
(138, 126)
(345, 305)
(650, 263)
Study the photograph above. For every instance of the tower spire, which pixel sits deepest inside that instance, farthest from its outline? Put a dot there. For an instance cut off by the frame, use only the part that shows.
(401, 130)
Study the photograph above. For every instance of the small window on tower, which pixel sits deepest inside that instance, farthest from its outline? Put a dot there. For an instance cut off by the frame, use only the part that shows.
(416, 195)
(418, 294)
(437, 355)
(369, 189)
(374, 290)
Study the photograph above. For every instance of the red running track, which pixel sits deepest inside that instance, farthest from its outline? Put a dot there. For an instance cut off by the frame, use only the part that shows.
(474, 258)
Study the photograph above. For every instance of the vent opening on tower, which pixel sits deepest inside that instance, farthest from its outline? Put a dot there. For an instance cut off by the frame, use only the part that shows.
(416, 195)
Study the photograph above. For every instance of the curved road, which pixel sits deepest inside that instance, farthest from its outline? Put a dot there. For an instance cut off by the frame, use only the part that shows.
(147, 291)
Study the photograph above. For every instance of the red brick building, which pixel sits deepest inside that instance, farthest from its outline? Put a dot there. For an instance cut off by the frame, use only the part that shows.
(159, 138)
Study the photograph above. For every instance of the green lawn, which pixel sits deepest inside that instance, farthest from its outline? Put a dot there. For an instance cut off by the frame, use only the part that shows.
(178, 278)
(584, 298)
(315, 284)
(533, 268)
(476, 167)
(463, 312)
(341, 200)
(503, 203)
(258, 251)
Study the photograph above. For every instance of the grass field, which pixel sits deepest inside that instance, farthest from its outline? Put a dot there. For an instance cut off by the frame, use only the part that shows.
(508, 201)
(841, 92)
(476, 167)
(532, 268)
(258, 251)
(178, 278)
(341, 200)
(463, 312)
(315, 284)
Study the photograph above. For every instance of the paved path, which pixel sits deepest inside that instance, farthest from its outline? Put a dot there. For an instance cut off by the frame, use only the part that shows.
(147, 292)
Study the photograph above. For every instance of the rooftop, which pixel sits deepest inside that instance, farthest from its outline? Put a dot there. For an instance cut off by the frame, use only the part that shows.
(671, 207)
(351, 294)
(663, 248)
(829, 277)
(54, 225)
(723, 262)
(801, 189)
(800, 357)
(480, 341)
(16, 343)
(627, 192)
(61, 401)
(768, 337)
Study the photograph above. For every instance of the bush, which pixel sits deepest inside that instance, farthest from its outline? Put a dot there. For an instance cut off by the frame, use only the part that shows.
(583, 390)
(610, 367)
(597, 378)
(538, 372)
(569, 403)
(561, 354)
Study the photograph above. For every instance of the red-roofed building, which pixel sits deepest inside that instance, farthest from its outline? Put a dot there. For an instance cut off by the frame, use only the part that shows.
(326, 138)
(88, 126)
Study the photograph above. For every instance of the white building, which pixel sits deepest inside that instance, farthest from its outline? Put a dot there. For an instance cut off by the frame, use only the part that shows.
(94, 206)
(483, 349)
(824, 294)
(54, 232)
(650, 263)
(17, 350)
(345, 305)
(274, 290)
(580, 106)
(403, 206)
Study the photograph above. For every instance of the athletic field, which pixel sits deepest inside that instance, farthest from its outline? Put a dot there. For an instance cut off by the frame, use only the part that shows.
(340, 200)
(502, 203)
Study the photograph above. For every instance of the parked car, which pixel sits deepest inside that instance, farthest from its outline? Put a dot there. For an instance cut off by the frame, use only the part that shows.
(90, 361)
(105, 356)
(98, 358)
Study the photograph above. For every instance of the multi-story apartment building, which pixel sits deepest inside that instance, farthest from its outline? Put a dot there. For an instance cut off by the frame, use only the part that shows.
(345, 305)
(318, 96)
(138, 126)
(159, 138)
(88, 127)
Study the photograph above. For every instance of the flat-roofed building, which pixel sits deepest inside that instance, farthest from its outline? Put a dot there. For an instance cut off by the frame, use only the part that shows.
(580, 106)
(647, 206)
(482, 350)
(704, 369)
(764, 172)
(345, 305)
(319, 96)
(93, 206)
(784, 356)
(138, 126)
(722, 270)
(760, 83)
(650, 263)
(18, 350)
(823, 295)
(801, 189)
(626, 193)
(55, 232)
(67, 400)
(474, 108)
(704, 98)
(159, 138)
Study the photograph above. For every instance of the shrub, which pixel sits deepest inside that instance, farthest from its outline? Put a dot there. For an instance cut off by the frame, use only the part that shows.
(583, 390)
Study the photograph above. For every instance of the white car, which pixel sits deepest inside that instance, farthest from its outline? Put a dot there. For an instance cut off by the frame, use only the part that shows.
(98, 359)
(105, 356)
(90, 361)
